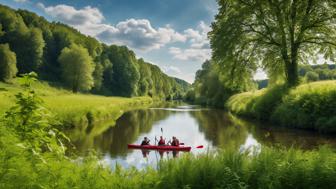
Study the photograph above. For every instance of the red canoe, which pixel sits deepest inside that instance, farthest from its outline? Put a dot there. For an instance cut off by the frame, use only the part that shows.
(168, 148)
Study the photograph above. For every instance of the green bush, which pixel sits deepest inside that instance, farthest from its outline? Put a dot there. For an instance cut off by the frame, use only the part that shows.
(311, 106)
(244, 103)
(308, 106)
(266, 104)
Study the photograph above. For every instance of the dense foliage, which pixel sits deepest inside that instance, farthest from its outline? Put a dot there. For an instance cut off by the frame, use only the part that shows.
(308, 106)
(274, 35)
(109, 70)
(214, 85)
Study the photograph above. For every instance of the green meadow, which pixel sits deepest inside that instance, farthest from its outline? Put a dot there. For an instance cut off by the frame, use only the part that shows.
(74, 110)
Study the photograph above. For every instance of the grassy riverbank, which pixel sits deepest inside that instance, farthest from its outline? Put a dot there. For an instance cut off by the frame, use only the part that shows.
(308, 106)
(74, 110)
(272, 168)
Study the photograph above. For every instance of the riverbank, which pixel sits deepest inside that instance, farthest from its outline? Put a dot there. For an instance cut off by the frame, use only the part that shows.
(272, 168)
(307, 106)
(75, 110)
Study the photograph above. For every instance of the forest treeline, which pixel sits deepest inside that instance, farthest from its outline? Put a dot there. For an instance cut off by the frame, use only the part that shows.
(62, 55)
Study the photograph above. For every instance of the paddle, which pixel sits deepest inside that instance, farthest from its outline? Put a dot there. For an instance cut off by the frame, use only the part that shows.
(200, 146)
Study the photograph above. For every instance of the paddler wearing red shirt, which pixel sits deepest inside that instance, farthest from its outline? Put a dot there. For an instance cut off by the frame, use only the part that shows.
(162, 141)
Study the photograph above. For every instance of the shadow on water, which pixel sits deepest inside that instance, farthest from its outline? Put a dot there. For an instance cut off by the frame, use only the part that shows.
(194, 126)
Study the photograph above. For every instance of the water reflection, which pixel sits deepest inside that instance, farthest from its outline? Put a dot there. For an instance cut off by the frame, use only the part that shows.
(193, 126)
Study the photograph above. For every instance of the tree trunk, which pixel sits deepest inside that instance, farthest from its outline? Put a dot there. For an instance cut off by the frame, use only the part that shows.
(292, 75)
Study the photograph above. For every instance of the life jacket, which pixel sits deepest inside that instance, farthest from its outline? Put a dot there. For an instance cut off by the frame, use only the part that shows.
(162, 142)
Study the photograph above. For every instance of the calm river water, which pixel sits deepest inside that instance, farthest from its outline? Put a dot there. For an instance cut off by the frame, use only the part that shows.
(194, 126)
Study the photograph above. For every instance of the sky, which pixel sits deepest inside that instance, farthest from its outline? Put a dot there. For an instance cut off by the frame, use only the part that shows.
(169, 33)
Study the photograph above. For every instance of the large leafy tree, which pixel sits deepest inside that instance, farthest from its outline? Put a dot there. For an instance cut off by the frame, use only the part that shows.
(276, 35)
(8, 68)
(77, 68)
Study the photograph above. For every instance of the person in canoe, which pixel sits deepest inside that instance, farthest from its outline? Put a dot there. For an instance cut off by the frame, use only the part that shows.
(145, 141)
(175, 142)
(162, 141)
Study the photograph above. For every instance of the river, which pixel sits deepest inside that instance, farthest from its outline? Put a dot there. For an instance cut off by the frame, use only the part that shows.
(193, 125)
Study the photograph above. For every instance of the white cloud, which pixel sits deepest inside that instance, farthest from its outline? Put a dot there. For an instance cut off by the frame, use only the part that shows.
(88, 19)
(191, 54)
(20, 1)
(173, 70)
(199, 48)
(135, 33)
(72, 16)
(140, 34)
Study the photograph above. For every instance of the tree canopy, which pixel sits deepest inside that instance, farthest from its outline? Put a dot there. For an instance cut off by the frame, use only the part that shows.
(274, 35)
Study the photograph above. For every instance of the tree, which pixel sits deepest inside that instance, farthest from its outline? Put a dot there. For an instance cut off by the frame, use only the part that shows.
(77, 68)
(8, 68)
(273, 34)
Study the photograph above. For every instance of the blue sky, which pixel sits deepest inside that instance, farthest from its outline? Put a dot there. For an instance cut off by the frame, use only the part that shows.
(169, 33)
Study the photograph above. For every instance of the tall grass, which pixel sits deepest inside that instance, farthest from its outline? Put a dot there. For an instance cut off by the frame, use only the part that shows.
(271, 168)
(309, 106)
(74, 110)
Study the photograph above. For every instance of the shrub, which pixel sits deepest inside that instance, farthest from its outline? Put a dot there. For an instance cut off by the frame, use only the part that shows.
(308, 106)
